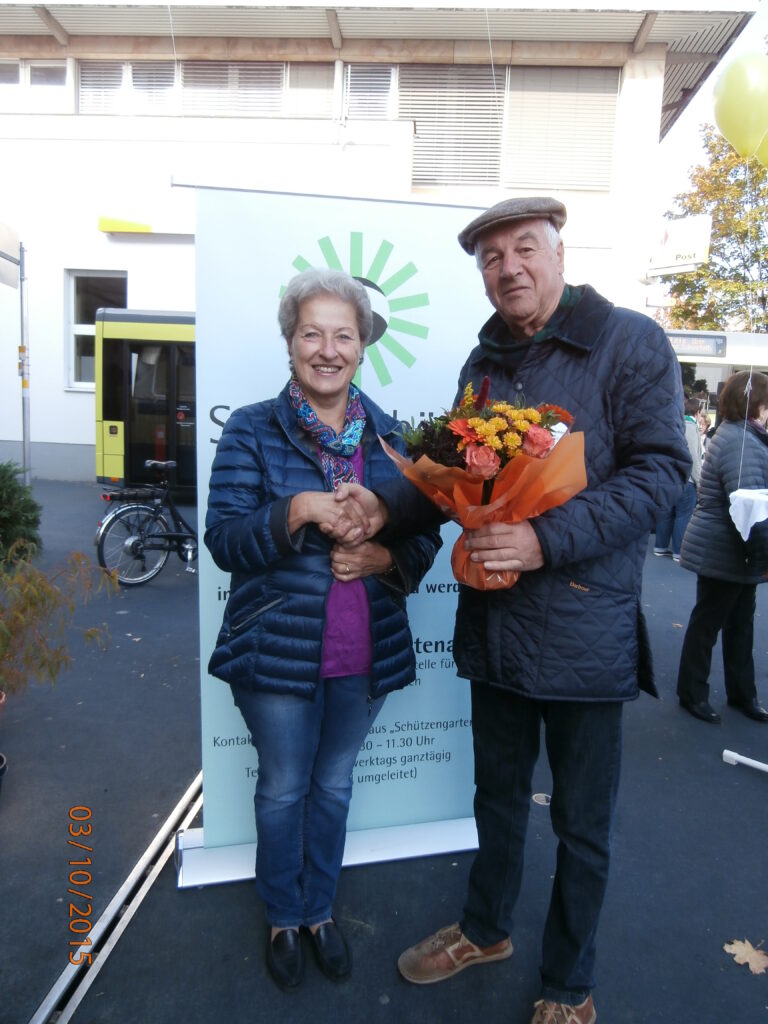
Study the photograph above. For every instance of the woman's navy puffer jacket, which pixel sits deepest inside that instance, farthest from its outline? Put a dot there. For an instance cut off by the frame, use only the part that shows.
(712, 546)
(271, 635)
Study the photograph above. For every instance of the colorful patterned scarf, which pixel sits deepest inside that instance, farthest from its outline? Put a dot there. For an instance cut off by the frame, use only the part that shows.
(335, 449)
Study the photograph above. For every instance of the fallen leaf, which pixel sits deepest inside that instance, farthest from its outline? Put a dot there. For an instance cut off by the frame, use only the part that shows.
(745, 953)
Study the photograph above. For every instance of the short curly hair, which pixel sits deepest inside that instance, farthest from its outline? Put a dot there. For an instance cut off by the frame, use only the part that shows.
(736, 403)
(313, 282)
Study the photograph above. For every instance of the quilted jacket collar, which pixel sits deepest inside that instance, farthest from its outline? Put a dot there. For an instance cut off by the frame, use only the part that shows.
(581, 325)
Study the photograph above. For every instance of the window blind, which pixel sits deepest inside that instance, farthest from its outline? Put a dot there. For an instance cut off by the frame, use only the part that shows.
(210, 88)
(100, 84)
(368, 91)
(457, 115)
(153, 87)
(559, 127)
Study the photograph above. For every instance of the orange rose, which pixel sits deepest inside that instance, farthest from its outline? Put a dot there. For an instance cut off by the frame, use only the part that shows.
(537, 441)
(481, 461)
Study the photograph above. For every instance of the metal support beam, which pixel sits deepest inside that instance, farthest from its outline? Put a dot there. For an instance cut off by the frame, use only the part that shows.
(52, 25)
(334, 28)
(638, 44)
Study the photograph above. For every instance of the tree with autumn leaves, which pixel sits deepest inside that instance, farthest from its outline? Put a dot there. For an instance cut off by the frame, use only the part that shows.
(730, 292)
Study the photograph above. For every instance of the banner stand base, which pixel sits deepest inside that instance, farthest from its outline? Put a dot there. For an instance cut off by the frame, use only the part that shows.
(198, 865)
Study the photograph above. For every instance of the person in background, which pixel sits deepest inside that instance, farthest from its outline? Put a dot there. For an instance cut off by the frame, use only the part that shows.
(706, 429)
(727, 569)
(566, 646)
(671, 523)
(315, 631)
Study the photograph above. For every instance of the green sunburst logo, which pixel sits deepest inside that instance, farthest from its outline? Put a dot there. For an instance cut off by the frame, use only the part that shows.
(385, 281)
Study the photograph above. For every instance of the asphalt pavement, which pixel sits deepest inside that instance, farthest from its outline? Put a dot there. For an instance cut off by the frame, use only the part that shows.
(119, 735)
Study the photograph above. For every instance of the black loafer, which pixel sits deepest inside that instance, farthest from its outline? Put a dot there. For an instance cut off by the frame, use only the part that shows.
(331, 951)
(750, 708)
(702, 710)
(285, 959)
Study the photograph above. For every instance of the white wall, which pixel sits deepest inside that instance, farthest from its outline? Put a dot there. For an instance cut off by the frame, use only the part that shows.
(60, 174)
(66, 172)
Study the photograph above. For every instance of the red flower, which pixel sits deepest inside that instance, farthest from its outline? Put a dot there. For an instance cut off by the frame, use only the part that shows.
(481, 461)
(558, 413)
(462, 428)
(537, 441)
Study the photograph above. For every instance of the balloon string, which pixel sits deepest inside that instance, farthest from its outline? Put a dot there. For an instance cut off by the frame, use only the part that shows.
(748, 393)
(747, 261)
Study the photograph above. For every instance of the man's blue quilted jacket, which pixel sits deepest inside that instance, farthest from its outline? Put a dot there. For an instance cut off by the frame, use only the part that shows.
(574, 629)
(272, 630)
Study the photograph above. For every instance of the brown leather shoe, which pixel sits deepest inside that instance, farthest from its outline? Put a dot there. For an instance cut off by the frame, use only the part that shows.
(563, 1013)
(446, 953)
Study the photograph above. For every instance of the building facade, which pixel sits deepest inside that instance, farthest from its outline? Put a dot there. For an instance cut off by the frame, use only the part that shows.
(110, 115)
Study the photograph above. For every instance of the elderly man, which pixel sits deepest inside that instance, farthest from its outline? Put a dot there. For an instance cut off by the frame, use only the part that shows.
(567, 645)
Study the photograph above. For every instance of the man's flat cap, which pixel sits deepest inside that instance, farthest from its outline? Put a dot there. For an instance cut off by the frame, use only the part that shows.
(510, 210)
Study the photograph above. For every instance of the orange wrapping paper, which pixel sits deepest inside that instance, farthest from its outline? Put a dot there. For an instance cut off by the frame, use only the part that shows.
(524, 488)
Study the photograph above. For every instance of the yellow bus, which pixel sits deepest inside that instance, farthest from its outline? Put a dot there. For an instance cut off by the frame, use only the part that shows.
(145, 395)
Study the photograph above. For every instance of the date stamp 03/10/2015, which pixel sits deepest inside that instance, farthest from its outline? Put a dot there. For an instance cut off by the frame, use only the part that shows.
(80, 877)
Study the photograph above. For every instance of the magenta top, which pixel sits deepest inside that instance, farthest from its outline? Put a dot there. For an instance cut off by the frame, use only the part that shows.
(347, 645)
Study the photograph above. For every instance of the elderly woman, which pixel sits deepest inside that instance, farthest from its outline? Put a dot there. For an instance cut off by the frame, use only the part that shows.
(728, 570)
(315, 631)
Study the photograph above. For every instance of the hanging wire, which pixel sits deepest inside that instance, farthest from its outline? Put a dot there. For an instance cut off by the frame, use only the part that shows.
(747, 261)
(173, 40)
(493, 70)
(747, 392)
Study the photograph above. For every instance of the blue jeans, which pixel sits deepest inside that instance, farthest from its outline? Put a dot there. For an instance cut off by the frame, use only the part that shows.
(583, 743)
(672, 522)
(307, 750)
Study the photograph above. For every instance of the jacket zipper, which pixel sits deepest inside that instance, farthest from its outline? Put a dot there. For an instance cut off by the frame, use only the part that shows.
(234, 630)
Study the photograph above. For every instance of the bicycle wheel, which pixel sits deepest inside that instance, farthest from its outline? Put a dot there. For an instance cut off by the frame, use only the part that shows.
(133, 544)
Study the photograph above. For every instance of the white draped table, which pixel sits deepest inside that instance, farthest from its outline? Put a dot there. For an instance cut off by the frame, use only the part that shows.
(748, 506)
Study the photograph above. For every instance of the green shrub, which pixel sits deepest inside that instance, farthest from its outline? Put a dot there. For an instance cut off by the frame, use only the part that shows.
(19, 512)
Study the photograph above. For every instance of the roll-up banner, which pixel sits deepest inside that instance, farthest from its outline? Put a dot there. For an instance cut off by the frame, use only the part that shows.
(413, 779)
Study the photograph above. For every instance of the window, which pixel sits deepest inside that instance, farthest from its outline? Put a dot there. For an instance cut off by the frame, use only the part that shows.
(101, 85)
(207, 88)
(32, 86)
(47, 75)
(369, 91)
(10, 72)
(210, 88)
(310, 91)
(89, 291)
(457, 112)
(559, 127)
(518, 127)
(154, 87)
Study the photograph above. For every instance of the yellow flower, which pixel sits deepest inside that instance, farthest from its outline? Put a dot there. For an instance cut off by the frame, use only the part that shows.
(512, 442)
(503, 409)
(468, 398)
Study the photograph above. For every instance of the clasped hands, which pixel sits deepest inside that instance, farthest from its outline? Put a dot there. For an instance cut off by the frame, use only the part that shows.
(499, 546)
(351, 516)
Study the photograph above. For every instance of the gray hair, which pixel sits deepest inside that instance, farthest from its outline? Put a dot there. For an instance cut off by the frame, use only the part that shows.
(310, 283)
(551, 234)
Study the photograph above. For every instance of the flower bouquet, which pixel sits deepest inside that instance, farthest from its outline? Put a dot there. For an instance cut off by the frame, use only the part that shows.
(492, 462)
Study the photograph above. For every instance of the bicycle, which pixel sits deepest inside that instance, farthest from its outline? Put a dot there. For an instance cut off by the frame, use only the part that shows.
(134, 539)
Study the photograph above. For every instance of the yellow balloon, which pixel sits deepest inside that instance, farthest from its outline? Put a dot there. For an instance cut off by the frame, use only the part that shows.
(762, 152)
(741, 102)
